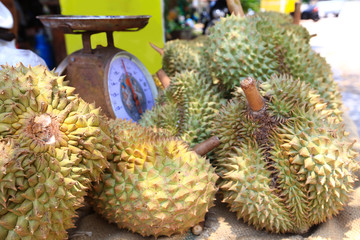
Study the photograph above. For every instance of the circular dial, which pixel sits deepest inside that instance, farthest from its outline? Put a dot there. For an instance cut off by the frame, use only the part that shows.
(131, 88)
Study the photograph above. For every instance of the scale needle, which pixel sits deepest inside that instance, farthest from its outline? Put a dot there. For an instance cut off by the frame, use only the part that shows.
(128, 82)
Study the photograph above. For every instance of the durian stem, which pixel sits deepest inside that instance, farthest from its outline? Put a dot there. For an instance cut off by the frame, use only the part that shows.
(206, 146)
(255, 100)
(235, 7)
(158, 49)
(198, 228)
(164, 78)
(297, 13)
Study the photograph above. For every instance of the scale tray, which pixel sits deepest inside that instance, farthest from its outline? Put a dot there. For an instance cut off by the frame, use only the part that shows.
(77, 23)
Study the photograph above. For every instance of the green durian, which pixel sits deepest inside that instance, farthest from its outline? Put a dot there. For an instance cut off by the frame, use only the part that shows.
(288, 165)
(155, 184)
(58, 145)
(187, 108)
(186, 55)
(38, 199)
(181, 55)
(259, 47)
(286, 22)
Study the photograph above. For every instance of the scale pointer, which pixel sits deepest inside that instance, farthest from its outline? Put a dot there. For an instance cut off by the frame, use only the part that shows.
(128, 82)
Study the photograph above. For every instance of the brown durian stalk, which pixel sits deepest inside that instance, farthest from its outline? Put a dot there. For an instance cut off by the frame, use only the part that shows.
(297, 13)
(205, 147)
(164, 78)
(158, 49)
(255, 100)
(235, 7)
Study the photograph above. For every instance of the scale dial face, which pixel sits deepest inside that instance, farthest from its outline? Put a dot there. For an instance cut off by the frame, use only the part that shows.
(131, 89)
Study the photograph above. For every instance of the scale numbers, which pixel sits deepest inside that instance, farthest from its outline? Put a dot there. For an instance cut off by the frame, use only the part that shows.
(131, 91)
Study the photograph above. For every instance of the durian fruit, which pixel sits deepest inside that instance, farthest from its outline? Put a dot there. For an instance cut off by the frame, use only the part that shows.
(233, 52)
(155, 184)
(286, 22)
(275, 17)
(180, 55)
(187, 108)
(185, 55)
(58, 144)
(259, 47)
(38, 195)
(36, 104)
(285, 162)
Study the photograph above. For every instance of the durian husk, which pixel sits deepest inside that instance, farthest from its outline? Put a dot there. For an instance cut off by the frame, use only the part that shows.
(288, 166)
(59, 144)
(155, 184)
(262, 45)
(38, 194)
(180, 55)
(186, 108)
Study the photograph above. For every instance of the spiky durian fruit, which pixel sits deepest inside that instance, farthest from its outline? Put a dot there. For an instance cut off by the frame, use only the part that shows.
(285, 21)
(181, 55)
(187, 108)
(185, 55)
(38, 107)
(38, 199)
(155, 185)
(258, 47)
(63, 146)
(285, 162)
(233, 52)
(275, 17)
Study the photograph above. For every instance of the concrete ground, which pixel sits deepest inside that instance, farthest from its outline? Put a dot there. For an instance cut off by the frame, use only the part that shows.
(338, 40)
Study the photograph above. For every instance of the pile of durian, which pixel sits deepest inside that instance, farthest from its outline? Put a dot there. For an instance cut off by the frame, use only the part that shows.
(284, 162)
(54, 145)
(205, 71)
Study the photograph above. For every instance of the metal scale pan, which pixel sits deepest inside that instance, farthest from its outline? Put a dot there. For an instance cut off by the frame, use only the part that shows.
(76, 23)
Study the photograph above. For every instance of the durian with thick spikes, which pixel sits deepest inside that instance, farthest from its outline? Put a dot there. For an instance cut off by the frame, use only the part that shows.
(58, 144)
(285, 162)
(285, 21)
(185, 55)
(37, 106)
(181, 55)
(38, 199)
(155, 184)
(258, 47)
(275, 17)
(187, 108)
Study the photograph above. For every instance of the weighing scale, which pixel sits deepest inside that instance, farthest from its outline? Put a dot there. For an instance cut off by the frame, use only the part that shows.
(114, 79)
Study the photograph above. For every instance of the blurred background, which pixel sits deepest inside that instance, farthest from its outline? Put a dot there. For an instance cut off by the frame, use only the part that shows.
(335, 24)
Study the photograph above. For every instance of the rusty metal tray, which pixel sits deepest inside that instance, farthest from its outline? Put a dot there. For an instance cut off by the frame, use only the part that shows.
(78, 23)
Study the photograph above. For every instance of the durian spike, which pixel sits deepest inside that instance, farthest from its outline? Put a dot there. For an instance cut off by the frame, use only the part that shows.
(158, 49)
(255, 100)
(207, 145)
(235, 7)
(297, 13)
(163, 77)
